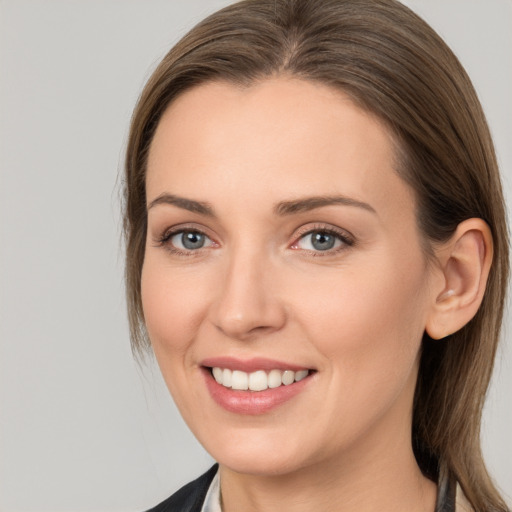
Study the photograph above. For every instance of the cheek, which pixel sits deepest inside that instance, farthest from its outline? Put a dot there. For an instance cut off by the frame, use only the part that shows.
(173, 303)
(369, 324)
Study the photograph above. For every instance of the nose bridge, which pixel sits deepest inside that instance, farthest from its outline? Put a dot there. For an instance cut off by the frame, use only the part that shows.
(246, 302)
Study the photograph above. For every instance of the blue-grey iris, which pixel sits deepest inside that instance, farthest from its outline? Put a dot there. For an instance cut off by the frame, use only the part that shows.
(192, 240)
(322, 241)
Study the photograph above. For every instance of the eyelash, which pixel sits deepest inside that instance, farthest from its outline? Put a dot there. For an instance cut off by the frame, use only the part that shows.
(165, 239)
(347, 240)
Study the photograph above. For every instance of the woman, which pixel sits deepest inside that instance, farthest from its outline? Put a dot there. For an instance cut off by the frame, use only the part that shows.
(317, 255)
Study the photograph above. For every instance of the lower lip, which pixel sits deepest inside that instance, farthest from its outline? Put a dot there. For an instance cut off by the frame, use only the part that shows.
(252, 402)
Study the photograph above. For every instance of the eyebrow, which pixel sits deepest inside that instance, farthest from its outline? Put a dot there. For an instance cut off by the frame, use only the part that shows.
(200, 207)
(311, 203)
(282, 208)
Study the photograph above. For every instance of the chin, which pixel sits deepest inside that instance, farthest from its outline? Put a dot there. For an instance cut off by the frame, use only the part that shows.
(257, 455)
(263, 465)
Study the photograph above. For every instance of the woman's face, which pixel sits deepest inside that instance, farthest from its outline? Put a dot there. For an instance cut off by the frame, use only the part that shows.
(281, 242)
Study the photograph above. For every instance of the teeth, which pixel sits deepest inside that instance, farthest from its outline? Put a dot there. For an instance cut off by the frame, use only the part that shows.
(301, 374)
(274, 378)
(288, 377)
(217, 375)
(226, 378)
(256, 381)
(240, 380)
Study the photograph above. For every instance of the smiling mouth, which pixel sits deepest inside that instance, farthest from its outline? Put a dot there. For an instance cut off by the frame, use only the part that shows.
(259, 380)
(255, 386)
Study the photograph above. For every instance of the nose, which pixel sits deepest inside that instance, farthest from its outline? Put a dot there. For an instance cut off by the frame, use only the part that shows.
(247, 304)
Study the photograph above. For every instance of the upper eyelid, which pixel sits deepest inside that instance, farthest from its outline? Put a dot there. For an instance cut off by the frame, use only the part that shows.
(170, 231)
(306, 230)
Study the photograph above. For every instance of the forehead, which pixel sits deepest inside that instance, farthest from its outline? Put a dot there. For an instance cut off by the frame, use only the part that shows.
(280, 136)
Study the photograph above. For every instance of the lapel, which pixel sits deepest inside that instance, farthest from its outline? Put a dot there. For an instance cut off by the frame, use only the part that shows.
(189, 498)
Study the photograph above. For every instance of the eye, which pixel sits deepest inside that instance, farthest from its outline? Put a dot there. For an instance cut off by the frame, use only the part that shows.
(189, 240)
(322, 240)
(185, 241)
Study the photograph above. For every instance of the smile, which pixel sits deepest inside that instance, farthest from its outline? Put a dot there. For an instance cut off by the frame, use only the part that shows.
(259, 380)
(256, 386)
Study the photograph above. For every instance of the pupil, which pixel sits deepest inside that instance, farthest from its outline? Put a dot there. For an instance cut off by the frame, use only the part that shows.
(322, 241)
(192, 240)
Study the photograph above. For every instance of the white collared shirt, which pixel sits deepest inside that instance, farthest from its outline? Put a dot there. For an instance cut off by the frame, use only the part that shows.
(212, 500)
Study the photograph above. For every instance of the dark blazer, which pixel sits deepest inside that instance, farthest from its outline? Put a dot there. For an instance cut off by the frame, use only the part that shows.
(190, 498)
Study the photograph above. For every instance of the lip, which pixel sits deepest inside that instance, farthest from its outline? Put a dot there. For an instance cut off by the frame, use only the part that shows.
(251, 365)
(251, 402)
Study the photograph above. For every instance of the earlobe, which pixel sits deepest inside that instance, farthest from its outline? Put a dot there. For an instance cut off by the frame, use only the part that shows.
(465, 261)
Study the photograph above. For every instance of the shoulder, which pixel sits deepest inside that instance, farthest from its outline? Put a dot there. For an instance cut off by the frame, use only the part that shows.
(190, 497)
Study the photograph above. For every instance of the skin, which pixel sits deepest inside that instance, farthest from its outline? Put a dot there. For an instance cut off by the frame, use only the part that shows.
(258, 288)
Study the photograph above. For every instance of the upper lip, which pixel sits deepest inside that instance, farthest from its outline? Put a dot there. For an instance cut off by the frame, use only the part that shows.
(251, 365)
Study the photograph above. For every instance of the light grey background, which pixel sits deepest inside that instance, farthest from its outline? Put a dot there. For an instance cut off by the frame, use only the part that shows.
(82, 428)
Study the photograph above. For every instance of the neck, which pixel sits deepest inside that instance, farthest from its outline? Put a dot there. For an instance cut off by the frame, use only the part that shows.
(386, 478)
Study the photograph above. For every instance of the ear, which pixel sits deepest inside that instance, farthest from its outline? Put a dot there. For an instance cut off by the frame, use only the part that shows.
(465, 261)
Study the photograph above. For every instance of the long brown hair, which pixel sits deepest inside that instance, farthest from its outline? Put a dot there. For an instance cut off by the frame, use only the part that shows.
(391, 63)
